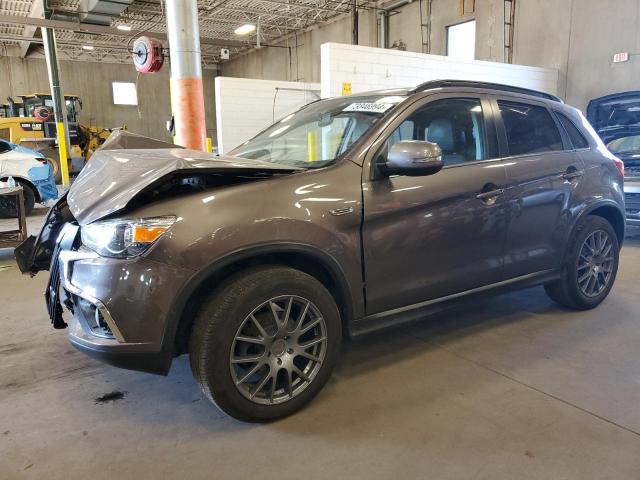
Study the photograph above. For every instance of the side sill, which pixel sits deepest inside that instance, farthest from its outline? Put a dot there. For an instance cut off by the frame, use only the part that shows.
(418, 311)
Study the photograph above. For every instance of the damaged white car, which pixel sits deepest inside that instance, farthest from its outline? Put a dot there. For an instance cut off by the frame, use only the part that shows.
(30, 170)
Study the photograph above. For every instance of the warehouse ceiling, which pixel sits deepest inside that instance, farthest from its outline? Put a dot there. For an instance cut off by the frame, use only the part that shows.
(278, 19)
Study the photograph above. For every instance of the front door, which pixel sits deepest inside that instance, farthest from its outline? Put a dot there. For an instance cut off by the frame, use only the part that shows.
(431, 236)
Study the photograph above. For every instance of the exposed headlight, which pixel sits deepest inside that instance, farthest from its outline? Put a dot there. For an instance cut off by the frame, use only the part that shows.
(124, 238)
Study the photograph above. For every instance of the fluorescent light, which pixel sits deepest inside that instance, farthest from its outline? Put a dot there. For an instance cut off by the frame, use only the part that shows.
(88, 47)
(124, 27)
(245, 29)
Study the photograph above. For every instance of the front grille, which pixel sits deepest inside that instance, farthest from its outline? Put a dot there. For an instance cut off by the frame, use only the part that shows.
(52, 294)
(632, 204)
(632, 172)
(632, 200)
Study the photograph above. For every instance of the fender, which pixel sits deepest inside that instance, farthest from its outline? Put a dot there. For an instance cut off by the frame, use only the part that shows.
(354, 307)
(606, 202)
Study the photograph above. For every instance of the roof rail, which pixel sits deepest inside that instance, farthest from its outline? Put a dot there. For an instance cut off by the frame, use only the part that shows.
(487, 85)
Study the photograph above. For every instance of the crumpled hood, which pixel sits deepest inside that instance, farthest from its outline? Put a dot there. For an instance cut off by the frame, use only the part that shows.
(112, 178)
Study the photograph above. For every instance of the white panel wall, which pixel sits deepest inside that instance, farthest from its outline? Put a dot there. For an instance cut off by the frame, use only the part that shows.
(246, 106)
(368, 68)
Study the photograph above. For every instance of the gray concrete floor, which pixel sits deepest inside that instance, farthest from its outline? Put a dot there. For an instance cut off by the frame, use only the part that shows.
(512, 387)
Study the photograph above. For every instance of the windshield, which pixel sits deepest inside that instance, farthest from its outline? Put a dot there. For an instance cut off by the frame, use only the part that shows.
(319, 133)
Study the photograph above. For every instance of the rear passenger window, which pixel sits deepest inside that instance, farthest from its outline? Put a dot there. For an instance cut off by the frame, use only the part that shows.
(577, 139)
(530, 129)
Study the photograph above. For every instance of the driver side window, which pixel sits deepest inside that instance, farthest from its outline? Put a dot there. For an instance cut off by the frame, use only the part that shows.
(455, 124)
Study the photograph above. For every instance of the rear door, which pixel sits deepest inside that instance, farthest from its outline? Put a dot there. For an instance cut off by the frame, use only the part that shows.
(431, 236)
(542, 173)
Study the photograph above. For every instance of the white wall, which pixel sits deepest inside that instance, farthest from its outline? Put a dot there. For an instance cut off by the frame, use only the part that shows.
(246, 106)
(368, 68)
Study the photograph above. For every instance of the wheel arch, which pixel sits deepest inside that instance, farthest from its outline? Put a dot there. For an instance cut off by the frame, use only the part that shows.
(610, 212)
(306, 258)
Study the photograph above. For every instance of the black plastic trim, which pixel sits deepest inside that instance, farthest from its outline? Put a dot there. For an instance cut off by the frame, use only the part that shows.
(421, 310)
(150, 362)
(484, 85)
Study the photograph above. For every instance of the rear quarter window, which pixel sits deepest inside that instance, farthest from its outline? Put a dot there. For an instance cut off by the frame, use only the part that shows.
(577, 138)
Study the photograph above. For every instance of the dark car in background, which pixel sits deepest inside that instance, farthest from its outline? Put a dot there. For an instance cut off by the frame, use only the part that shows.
(350, 215)
(616, 118)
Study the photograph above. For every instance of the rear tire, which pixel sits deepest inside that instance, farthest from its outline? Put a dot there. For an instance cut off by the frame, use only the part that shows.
(8, 205)
(53, 159)
(248, 347)
(590, 267)
(54, 163)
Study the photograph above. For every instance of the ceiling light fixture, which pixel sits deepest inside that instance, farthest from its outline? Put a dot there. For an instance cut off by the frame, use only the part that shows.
(245, 29)
(88, 47)
(124, 27)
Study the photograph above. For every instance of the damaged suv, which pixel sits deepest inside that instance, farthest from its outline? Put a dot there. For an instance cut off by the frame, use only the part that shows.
(350, 215)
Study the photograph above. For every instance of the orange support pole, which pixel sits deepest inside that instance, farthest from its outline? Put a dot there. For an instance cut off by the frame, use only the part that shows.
(187, 95)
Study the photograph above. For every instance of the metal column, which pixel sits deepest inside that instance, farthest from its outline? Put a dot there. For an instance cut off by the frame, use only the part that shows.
(509, 28)
(59, 106)
(187, 96)
(354, 23)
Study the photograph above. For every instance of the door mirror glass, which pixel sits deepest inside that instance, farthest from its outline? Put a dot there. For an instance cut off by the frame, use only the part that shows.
(413, 158)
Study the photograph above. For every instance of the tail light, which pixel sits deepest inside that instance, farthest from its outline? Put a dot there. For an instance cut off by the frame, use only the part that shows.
(619, 165)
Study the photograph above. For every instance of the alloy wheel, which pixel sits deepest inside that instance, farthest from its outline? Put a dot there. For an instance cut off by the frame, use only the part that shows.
(595, 263)
(278, 350)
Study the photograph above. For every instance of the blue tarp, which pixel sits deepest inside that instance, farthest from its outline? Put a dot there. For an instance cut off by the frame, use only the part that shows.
(42, 178)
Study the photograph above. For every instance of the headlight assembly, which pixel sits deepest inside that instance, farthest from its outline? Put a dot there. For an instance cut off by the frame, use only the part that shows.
(124, 238)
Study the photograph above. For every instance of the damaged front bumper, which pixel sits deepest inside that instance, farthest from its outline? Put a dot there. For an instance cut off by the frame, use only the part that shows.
(119, 308)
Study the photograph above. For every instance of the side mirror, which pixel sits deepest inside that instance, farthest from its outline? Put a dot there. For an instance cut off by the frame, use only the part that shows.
(413, 158)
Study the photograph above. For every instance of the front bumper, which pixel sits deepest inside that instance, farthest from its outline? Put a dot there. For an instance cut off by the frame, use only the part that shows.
(119, 307)
(632, 201)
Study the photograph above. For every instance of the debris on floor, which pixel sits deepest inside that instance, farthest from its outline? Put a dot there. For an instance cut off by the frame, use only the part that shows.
(110, 397)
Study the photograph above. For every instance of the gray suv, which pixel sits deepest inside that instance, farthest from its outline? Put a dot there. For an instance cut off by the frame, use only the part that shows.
(350, 215)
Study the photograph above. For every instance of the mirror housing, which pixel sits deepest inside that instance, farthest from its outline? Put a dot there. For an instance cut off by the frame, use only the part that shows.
(413, 158)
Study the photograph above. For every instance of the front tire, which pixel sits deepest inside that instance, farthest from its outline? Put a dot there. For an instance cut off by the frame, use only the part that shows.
(590, 267)
(265, 344)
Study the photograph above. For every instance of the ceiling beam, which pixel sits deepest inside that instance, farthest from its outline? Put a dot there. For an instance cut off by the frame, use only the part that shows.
(104, 30)
(315, 8)
(37, 11)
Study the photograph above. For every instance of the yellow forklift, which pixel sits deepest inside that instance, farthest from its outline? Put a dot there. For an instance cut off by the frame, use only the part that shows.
(31, 124)
(12, 109)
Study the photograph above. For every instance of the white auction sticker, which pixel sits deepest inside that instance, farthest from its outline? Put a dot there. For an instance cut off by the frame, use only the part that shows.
(368, 107)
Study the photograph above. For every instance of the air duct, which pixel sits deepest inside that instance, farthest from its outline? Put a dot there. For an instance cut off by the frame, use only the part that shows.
(101, 12)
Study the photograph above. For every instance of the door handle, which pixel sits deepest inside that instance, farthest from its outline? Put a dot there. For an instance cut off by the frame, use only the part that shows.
(484, 196)
(572, 175)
